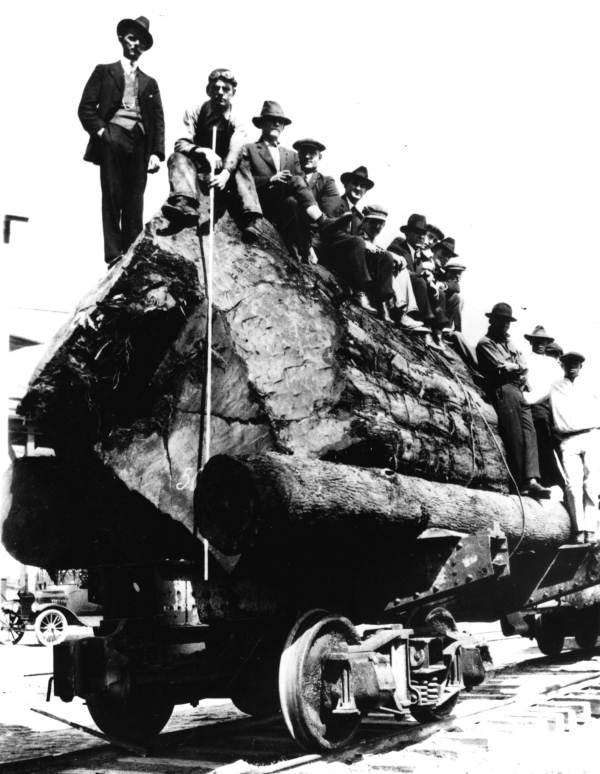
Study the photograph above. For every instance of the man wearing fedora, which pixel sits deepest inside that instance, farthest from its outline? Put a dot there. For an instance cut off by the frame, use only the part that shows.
(542, 372)
(417, 254)
(576, 412)
(343, 250)
(193, 160)
(121, 109)
(285, 197)
(505, 370)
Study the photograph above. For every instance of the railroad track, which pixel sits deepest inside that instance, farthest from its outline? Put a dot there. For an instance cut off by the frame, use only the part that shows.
(537, 716)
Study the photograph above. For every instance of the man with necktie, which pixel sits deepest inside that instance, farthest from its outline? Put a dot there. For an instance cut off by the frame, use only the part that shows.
(121, 109)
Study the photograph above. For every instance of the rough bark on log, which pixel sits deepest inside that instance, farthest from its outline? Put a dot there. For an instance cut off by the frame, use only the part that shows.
(296, 369)
(240, 500)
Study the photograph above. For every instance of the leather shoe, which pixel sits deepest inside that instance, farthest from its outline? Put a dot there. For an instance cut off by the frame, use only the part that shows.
(537, 491)
(181, 209)
(361, 299)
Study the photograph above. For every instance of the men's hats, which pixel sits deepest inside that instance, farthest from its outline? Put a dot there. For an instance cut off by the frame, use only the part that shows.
(539, 332)
(308, 142)
(554, 350)
(501, 310)
(415, 223)
(375, 212)
(222, 74)
(436, 232)
(141, 26)
(271, 109)
(575, 357)
(447, 246)
(454, 264)
(359, 175)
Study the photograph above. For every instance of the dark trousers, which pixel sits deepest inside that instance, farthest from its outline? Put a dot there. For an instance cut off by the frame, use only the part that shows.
(123, 181)
(454, 305)
(541, 413)
(432, 310)
(515, 425)
(345, 254)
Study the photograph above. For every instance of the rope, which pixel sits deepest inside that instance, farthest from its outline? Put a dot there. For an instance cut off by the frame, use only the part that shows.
(471, 403)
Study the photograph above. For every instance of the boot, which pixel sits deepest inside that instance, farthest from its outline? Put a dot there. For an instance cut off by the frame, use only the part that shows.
(181, 209)
(536, 490)
(360, 298)
(250, 231)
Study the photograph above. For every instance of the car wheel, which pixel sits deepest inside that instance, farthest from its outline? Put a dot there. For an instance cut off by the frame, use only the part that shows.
(50, 627)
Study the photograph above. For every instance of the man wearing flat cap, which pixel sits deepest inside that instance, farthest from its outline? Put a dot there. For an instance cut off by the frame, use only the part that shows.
(576, 412)
(284, 195)
(121, 109)
(396, 298)
(191, 163)
(505, 370)
(542, 372)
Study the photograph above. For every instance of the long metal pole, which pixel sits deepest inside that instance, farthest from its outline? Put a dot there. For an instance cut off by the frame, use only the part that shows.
(208, 365)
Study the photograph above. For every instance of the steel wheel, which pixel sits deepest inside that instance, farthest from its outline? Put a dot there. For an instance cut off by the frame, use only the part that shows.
(309, 688)
(137, 718)
(12, 627)
(550, 637)
(51, 627)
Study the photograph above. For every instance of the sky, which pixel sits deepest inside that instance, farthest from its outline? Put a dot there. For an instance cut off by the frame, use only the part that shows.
(483, 116)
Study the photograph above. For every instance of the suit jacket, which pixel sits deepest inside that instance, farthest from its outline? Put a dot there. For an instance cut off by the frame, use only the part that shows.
(102, 98)
(400, 246)
(260, 161)
(325, 192)
(342, 206)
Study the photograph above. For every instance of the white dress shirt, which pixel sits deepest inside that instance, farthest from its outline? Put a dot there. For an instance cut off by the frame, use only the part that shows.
(575, 405)
(274, 151)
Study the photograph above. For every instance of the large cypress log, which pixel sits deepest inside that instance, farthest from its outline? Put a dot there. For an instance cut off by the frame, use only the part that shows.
(240, 500)
(297, 369)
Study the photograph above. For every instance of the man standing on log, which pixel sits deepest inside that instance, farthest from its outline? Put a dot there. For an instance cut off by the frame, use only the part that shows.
(542, 372)
(576, 413)
(505, 371)
(122, 111)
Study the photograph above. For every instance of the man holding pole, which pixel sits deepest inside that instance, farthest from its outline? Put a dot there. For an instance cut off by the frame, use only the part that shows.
(195, 167)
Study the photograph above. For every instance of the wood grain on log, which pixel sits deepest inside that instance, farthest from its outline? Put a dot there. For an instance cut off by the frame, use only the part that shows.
(240, 500)
(296, 369)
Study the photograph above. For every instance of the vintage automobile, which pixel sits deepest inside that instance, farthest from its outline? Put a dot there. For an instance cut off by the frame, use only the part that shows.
(57, 607)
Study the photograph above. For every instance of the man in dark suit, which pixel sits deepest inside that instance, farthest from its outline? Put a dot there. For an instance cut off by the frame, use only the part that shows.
(323, 189)
(285, 198)
(344, 252)
(122, 111)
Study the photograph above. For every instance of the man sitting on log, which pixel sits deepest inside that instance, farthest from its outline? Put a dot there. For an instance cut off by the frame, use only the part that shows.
(285, 198)
(505, 371)
(190, 165)
(429, 295)
(397, 289)
(322, 187)
(344, 251)
(576, 412)
(542, 373)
